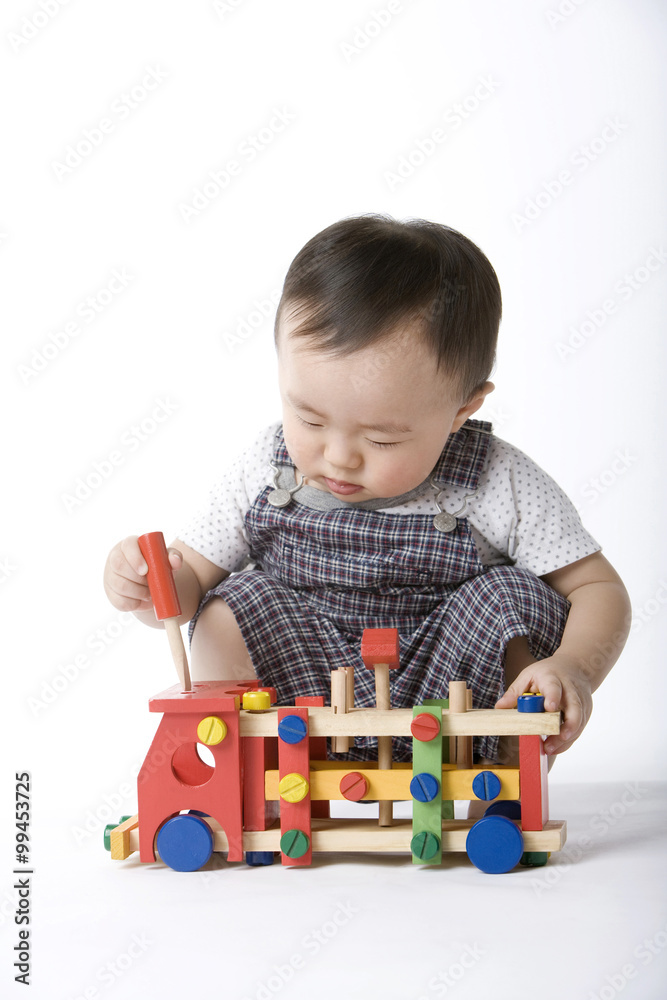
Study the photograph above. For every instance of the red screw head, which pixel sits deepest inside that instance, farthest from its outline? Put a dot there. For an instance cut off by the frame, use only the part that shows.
(353, 786)
(425, 727)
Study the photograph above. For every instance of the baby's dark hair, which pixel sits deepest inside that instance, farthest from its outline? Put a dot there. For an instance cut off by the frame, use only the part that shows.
(362, 277)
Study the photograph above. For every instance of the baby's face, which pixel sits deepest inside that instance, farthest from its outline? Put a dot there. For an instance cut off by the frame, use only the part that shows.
(367, 425)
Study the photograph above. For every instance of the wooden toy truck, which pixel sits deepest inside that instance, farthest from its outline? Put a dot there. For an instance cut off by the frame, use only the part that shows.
(269, 786)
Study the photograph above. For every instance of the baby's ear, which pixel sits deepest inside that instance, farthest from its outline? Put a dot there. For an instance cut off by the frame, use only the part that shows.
(473, 404)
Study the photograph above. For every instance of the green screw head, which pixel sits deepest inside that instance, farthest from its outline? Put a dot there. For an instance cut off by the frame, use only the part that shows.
(425, 845)
(294, 843)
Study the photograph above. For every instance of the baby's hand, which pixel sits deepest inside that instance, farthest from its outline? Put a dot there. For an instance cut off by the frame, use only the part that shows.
(125, 575)
(559, 679)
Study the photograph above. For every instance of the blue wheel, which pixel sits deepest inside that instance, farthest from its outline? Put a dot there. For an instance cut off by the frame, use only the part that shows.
(185, 843)
(494, 844)
(257, 858)
(506, 807)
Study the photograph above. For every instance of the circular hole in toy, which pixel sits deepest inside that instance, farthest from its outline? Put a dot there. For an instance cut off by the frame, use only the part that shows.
(188, 767)
(205, 754)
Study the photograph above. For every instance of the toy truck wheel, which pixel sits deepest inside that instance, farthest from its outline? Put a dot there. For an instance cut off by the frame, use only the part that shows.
(494, 844)
(534, 859)
(256, 858)
(107, 835)
(507, 807)
(185, 843)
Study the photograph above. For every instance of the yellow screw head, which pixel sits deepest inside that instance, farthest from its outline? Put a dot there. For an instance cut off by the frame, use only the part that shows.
(293, 787)
(256, 701)
(211, 730)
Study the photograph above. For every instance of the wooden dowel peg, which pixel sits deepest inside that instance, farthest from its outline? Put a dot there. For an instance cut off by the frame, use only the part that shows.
(460, 747)
(339, 744)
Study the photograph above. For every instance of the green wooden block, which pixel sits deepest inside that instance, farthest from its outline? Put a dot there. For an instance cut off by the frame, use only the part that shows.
(447, 804)
(427, 816)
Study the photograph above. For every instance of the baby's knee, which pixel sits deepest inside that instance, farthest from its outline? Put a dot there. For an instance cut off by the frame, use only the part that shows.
(216, 616)
(218, 649)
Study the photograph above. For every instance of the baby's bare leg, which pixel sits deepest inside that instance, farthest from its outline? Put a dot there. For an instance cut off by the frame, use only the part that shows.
(218, 650)
(517, 656)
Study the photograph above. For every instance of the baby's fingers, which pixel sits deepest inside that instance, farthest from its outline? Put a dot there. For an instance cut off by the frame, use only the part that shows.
(125, 577)
(175, 558)
(530, 680)
(130, 558)
(128, 596)
(575, 717)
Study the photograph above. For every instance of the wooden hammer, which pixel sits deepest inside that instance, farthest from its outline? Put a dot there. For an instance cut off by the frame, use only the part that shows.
(165, 599)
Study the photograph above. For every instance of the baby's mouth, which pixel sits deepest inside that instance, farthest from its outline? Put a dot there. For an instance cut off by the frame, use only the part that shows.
(341, 487)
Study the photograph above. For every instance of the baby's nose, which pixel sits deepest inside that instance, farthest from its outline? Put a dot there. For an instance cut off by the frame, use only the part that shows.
(342, 454)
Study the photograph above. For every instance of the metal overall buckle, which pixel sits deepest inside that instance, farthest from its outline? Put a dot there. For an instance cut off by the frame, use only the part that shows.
(444, 521)
(279, 497)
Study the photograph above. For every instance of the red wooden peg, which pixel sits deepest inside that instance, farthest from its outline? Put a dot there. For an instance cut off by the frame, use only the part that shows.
(380, 645)
(379, 651)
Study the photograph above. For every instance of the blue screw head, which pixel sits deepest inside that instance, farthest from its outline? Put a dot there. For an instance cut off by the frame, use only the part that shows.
(530, 701)
(486, 785)
(424, 787)
(292, 729)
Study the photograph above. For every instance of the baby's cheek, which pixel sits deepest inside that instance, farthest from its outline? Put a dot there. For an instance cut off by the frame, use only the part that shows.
(396, 481)
(294, 444)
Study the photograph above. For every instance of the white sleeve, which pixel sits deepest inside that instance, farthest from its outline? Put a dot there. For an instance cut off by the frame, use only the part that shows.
(217, 531)
(524, 516)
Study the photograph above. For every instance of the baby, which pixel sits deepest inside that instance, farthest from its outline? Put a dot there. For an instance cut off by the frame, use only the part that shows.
(377, 502)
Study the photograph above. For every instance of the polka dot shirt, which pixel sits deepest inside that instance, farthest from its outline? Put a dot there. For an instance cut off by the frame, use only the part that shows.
(520, 516)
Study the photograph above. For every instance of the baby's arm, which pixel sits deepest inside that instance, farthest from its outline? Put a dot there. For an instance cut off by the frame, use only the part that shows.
(127, 589)
(596, 630)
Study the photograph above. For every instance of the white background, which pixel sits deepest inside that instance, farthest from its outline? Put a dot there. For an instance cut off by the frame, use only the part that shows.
(522, 95)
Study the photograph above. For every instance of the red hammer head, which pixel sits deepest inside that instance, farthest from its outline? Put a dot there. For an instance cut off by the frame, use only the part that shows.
(160, 575)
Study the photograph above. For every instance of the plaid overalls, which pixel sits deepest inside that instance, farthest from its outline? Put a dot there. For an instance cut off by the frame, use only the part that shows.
(322, 577)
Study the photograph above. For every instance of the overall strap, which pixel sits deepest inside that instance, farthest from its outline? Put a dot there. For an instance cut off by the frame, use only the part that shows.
(464, 455)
